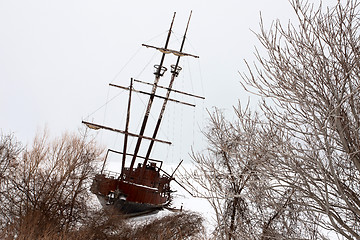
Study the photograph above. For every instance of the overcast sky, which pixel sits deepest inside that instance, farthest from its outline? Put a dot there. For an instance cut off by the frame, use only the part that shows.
(57, 57)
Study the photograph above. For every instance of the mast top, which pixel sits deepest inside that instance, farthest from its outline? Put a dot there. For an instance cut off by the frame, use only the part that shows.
(166, 50)
(160, 70)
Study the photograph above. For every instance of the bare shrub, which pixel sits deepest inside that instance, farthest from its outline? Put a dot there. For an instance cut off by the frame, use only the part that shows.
(184, 225)
(101, 225)
(48, 189)
(109, 225)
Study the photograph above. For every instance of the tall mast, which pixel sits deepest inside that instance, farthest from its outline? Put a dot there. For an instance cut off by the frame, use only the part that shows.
(158, 74)
(126, 130)
(175, 72)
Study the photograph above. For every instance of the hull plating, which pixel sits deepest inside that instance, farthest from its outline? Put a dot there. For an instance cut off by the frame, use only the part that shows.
(138, 191)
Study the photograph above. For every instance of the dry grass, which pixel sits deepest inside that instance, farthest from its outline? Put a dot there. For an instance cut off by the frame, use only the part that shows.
(177, 226)
(104, 225)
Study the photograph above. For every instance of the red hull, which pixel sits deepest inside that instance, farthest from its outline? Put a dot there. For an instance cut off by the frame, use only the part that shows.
(141, 186)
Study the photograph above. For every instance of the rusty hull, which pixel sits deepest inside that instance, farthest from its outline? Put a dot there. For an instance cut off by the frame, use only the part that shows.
(143, 185)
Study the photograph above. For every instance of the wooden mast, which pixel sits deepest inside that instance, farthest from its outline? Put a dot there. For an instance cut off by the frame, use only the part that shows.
(173, 76)
(126, 130)
(158, 74)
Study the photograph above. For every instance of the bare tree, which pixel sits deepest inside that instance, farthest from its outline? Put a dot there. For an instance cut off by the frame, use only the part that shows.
(293, 172)
(9, 150)
(49, 183)
(311, 87)
(235, 175)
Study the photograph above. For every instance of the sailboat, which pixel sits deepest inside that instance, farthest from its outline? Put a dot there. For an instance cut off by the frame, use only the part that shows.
(143, 188)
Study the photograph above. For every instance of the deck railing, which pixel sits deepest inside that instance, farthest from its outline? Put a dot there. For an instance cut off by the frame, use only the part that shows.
(111, 174)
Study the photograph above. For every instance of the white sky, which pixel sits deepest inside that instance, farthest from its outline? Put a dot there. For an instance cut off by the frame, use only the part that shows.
(57, 57)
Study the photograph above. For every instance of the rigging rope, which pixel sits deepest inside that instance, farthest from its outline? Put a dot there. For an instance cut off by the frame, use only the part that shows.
(107, 98)
(127, 63)
(105, 104)
(152, 58)
(132, 57)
